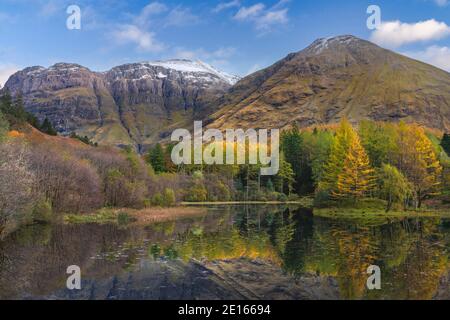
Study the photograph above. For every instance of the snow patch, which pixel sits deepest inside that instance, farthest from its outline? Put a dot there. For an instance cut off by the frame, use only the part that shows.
(161, 75)
(320, 45)
(193, 67)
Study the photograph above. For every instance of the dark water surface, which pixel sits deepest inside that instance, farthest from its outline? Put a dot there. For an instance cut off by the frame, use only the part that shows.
(235, 252)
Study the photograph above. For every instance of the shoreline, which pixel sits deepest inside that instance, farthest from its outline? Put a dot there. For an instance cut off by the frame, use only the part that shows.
(129, 216)
(225, 203)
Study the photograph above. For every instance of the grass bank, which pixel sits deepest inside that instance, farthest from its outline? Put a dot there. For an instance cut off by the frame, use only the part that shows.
(304, 202)
(134, 216)
(373, 212)
(374, 216)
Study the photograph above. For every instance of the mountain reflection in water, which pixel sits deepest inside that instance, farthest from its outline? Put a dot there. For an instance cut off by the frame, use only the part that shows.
(234, 252)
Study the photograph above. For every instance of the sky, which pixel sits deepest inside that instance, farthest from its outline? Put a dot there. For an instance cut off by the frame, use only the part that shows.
(237, 36)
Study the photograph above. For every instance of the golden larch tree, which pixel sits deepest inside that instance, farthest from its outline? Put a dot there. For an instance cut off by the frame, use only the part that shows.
(357, 178)
(417, 160)
(345, 134)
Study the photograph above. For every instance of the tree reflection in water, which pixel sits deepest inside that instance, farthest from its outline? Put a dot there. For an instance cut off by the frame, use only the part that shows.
(412, 253)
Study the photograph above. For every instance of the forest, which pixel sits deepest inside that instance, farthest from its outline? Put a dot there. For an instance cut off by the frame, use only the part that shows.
(43, 175)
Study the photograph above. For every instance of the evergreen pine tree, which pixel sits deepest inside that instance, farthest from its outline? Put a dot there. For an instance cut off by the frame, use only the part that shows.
(297, 157)
(18, 109)
(4, 126)
(285, 178)
(156, 158)
(6, 103)
(270, 186)
(445, 143)
(47, 128)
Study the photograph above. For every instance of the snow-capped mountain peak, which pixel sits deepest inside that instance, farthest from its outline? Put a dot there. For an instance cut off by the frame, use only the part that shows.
(322, 44)
(189, 66)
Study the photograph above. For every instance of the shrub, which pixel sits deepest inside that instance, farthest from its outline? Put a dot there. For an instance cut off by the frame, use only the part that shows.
(273, 196)
(157, 200)
(42, 212)
(217, 190)
(322, 199)
(198, 175)
(16, 184)
(293, 197)
(4, 127)
(197, 193)
(123, 218)
(224, 192)
(262, 198)
(169, 198)
(393, 186)
(70, 184)
(147, 203)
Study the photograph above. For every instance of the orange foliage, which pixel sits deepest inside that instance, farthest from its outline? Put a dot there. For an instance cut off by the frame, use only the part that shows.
(15, 134)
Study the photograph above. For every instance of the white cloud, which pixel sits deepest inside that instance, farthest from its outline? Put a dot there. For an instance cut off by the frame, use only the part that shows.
(154, 8)
(180, 16)
(144, 40)
(226, 5)
(155, 14)
(49, 8)
(148, 11)
(397, 33)
(264, 18)
(434, 55)
(5, 72)
(272, 17)
(253, 69)
(441, 3)
(7, 18)
(218, 57)
(254, 11)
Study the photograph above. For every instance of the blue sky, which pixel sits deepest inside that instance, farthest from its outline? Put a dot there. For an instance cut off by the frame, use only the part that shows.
(237, 36)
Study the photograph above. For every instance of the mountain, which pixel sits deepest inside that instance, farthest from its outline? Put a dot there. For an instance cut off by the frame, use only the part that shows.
(133, 104)
(140, 104)
(334, 78)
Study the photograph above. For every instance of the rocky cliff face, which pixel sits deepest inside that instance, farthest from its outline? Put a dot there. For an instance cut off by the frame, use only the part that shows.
(140, 104)
(334, 78)
(131, 104)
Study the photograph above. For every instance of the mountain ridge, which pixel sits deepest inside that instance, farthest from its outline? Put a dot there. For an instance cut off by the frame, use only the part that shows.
(140, 104)
(130, 104)
(338, 77)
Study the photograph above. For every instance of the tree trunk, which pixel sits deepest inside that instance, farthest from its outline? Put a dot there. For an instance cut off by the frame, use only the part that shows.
(419, 200)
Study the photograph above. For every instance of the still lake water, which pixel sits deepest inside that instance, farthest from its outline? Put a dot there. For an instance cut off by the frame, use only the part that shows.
(233, 252)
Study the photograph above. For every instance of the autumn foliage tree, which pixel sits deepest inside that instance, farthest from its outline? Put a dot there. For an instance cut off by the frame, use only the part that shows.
(393, 186)
(356, 178)
(417, 160)
(344, 137)
(16, 181)
(284, 180)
